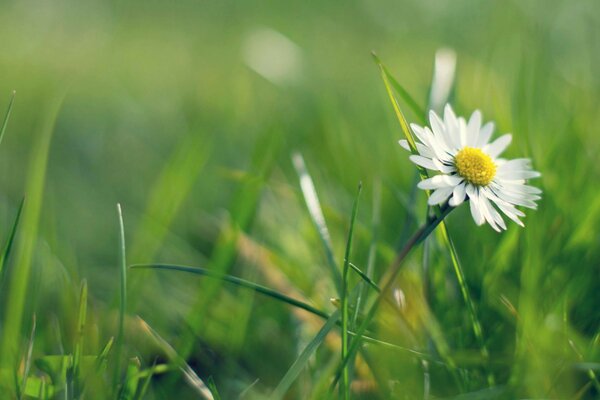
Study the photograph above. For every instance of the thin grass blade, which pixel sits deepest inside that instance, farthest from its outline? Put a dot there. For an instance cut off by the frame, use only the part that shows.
(345, 313)
(300, 363)
(408, 99)
(190, 375)
(9, 242)
(123, 295)
(316, 214)
(27, 363)
(7, 115)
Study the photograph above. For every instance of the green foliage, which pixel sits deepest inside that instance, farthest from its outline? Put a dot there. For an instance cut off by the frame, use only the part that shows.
(187, 114)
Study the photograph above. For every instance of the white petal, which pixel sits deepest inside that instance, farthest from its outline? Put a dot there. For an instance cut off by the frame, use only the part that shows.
(439, 196)
(473, 128)
(439, 181)
(498, 146)
(485, 133)
(458, 195)
(474, 204)
(443, 167)
(491, 215)
(517, 175)
(439, 131)
(518, 164)
(404, 144)
(423, 162)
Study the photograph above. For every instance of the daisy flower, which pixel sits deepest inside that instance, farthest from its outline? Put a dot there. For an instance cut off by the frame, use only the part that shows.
(470, 167)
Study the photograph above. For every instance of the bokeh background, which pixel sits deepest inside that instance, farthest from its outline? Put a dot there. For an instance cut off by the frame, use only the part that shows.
(188, 113)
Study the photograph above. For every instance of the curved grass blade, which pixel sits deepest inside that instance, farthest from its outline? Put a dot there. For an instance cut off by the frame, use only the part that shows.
(275, 295)
(9, 242)
(123, 302)
(190, 375)
(238, 282)
(7, 115)
(300, 363)
(345, 314)
(316, 214)
(408, 99)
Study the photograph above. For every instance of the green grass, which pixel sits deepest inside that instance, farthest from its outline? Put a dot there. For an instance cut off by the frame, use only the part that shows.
(251, 179)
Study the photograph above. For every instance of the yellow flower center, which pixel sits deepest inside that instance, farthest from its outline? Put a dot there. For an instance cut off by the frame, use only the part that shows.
(475, 166)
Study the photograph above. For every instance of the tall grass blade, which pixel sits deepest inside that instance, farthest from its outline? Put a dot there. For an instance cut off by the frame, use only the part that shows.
(27, 366)
(345, 314)
(171, 189)
(78, 353)
(376, 216)
(7, 115)
(9, 242)
(408, 99)
(19, 280)
(123, 295)
(300, 363)
(316, 214)
(190, 375)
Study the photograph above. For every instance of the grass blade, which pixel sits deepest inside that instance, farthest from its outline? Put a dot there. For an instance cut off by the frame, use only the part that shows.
(408, 99)
(123, 302)
(27, 367)
(316, 214)
(238, 282)
(19, 281)
(77, 354)
(9, 242)
(190, 375)
(7, 115)
(300, 363)
(345, 316)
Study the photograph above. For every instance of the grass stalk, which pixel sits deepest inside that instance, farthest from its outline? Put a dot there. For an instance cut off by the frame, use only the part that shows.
(123, 296)
(344, 299)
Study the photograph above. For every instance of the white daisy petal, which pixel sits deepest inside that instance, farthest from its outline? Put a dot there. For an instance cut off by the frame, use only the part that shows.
(473, 128)
(495, 148)
(475, 206)
(490, 213)
(423, 162)
(443, 167)
(518, 164)
(458, 195)
(439, 196)
(404, 144)
(517, 175)
(439, 181)
(439, 130)
(485, 133)
(461, 140)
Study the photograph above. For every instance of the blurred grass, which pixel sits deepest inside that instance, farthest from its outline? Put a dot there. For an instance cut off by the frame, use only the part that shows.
(163, 115)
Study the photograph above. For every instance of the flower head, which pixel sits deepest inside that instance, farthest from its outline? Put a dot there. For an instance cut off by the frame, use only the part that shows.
(469, 166)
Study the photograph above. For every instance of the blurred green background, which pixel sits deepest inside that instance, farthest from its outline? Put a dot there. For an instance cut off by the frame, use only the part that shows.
(187, 113)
